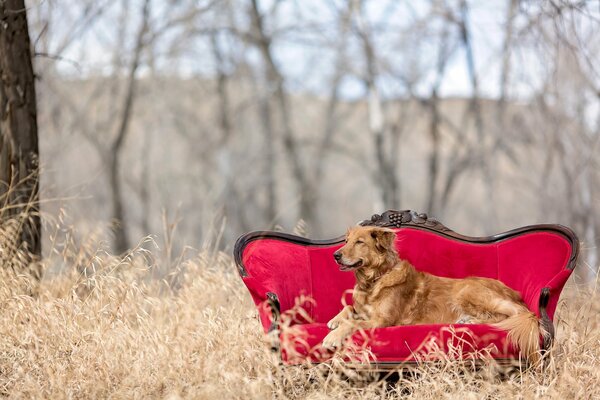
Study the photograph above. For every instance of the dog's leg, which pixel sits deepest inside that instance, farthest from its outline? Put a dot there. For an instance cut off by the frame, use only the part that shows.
(344, 315)
(335, 338)
(485, 309)
(340, 326)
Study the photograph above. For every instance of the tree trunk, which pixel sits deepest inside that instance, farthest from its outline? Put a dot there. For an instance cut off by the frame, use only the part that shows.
(386, 175)
(145, 183)
(270, 163)
(485, 161)
(506, 52)
(232, 202)
(121, 241)
(386, 170)
(435, 123)
(307, 207)
(589, 222)
(434, 134)
(19, 156)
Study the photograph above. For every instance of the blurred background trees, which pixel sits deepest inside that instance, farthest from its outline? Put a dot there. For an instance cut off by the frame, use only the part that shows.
(237, 115)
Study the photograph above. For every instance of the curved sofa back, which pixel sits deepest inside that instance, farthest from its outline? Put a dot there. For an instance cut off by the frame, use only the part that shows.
(530, 260)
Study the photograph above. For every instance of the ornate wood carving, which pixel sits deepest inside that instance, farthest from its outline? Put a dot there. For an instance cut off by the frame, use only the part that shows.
(406, 218)
(397, 219)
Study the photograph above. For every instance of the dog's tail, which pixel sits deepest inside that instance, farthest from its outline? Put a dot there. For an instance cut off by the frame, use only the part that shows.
(524, 330)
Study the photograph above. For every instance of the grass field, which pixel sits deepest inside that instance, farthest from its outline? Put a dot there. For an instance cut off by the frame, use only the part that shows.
(108, 327)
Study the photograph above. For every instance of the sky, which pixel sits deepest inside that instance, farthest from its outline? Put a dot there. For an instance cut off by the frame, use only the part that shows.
(303, 50)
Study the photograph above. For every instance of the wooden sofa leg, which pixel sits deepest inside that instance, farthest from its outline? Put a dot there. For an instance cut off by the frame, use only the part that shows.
(273, 330)
(545, 321)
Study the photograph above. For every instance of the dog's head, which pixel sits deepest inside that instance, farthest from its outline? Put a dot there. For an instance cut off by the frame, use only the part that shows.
(366, 246)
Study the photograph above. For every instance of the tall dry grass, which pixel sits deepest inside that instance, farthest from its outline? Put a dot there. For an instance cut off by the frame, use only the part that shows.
(113, 327)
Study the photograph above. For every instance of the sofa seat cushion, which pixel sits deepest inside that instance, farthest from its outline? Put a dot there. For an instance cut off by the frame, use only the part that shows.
(396, 344)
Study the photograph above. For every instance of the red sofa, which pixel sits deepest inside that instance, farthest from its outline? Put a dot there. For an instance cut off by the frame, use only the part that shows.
(285, 273)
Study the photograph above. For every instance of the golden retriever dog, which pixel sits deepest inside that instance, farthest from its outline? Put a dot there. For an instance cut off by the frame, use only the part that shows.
(390, 291)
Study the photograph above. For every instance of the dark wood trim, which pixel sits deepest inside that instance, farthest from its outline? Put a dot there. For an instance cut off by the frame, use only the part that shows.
(398, 366)
(476, 363)
(407, 218)
(243, 241)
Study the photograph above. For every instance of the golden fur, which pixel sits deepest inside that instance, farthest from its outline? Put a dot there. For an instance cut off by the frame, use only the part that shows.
(390, 291)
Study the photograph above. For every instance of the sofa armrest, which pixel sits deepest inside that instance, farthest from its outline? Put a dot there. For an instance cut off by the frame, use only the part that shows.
(273, 268)
(533, 262)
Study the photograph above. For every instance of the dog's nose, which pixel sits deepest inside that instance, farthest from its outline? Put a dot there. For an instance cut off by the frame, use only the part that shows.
(337, 255)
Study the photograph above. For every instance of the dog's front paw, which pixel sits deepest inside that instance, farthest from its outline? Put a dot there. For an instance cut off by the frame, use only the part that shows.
(332, 341)
(333, 323)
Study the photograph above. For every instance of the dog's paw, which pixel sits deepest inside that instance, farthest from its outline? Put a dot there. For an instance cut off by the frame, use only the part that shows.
(465, 319)
(332, 341)
(333, 323)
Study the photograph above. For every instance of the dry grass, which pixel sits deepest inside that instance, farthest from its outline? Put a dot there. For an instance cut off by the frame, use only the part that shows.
(107, 327)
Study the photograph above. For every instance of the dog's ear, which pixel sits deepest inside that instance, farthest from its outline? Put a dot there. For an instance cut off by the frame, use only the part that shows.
(384, 238)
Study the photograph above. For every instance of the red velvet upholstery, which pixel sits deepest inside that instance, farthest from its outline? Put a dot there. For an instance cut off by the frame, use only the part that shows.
(401, 343)
(526, 262)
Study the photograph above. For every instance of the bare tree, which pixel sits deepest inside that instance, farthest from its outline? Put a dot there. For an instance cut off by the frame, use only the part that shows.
(564, 33)
(467, 152)
(332, 115)
(435, 124)
(252, 113)
(275, 79)
(121, 243)
(19, 157)
(505, 70)
(484, 153)
(229, 197)
(385, 153)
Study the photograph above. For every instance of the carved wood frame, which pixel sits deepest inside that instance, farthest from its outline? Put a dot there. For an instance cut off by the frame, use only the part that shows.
(408, 218)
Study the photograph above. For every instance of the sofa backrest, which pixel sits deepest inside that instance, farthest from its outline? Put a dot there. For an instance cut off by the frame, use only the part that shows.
(535, 260)
(288, 266)
(425, 250)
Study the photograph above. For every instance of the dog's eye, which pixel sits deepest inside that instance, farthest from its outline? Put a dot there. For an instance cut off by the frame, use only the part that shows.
(359, 241)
